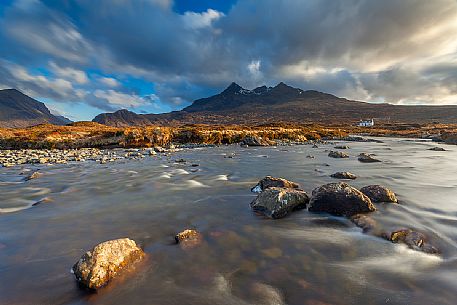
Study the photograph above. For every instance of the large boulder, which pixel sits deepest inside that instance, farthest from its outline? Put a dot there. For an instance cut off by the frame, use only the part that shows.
(337, 154)
(344, 175)
(255, 141)
(270, 181)
(276, 202)
(340, 199)
(99, 265)
(379, 193)
(367, 158)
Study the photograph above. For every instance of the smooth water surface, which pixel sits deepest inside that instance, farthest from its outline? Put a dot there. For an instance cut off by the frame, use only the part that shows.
(305, 258)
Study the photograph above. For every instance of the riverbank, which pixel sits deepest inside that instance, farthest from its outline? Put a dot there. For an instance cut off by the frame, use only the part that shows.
(94, 135)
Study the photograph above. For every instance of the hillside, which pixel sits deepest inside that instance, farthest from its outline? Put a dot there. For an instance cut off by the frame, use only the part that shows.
(282, 104)
(20, 110)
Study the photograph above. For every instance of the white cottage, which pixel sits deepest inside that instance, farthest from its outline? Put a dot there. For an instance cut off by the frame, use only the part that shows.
(366, 123)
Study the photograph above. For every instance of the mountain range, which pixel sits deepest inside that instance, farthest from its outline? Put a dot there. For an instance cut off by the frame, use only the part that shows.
(282, 103)
(237, 105)
(20, 110)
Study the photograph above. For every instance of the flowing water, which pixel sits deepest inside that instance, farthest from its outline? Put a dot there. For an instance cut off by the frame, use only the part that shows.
(305, 258)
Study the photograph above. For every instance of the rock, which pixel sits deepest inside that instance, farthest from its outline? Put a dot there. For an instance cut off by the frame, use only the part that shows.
(367, 158)
(195, 165)
(344, 175)
(363, 221)
(378, 193)
(189, 238)
(34, 175)
(99, 265)
(315, 146)
(310, 157)
(413, 239)
(276, 202)
(437, 149)
(341, 147)
(340, 199)
(180, 161)
(270, 181)
(255, 141)
(337, 154)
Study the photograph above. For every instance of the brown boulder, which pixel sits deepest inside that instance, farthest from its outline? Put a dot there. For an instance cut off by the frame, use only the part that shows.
(189, 238)
(337, 154)
(378, 193)
(367, 158)
(270, 181)
(99, 265)
(344, 175)
(340, 199)
(413, 239)
(275, 202)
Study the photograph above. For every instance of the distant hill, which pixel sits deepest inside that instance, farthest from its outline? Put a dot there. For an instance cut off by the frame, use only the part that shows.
(20, 110)
(282, 103)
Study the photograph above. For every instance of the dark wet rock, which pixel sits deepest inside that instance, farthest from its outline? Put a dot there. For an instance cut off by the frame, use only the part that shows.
(341, 147)
(256, 141)
(310, 157)
(379, 193)
(315, 146)
(413, 239)
(270, 181)
(437, 149)
(360, 139)
(189, 238)
(276, 202)
(195, 165)
(180, 161)
(337, 154)
(367, 158)
(33, 175)
(365, 222)
(340, 199)
(101, 264)
(344, 175)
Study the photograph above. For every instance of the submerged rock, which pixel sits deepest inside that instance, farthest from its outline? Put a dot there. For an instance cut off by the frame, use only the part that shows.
(437, 149)
(99, 265)
(337, 154)
(340, 199)
(34, 175)
(270, 181)
(189, 238)
(365, 222)
(367, 158)
(379, 193)
(344, 175)
(276, 202)
(341, 147)
(413, 239)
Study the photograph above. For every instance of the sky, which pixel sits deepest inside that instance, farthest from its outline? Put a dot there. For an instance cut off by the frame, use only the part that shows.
(84, 57)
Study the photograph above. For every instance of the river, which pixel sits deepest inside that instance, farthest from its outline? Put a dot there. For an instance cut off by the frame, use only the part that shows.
(304, 258)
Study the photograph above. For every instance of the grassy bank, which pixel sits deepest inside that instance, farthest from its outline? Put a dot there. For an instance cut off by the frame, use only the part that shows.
(88, 134)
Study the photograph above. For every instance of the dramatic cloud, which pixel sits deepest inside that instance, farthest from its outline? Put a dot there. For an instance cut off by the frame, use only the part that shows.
(89, 51)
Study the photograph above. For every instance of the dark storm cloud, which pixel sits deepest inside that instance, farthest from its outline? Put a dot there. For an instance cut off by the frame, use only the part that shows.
(388, 50)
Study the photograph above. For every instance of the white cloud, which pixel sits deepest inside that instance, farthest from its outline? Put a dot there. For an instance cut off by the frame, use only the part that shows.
(69, 73)
(110, 82)
(120, 99)
(194, 20)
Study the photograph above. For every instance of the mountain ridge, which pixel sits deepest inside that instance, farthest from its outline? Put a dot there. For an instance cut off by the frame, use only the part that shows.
(19, 110)
(281, 104)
